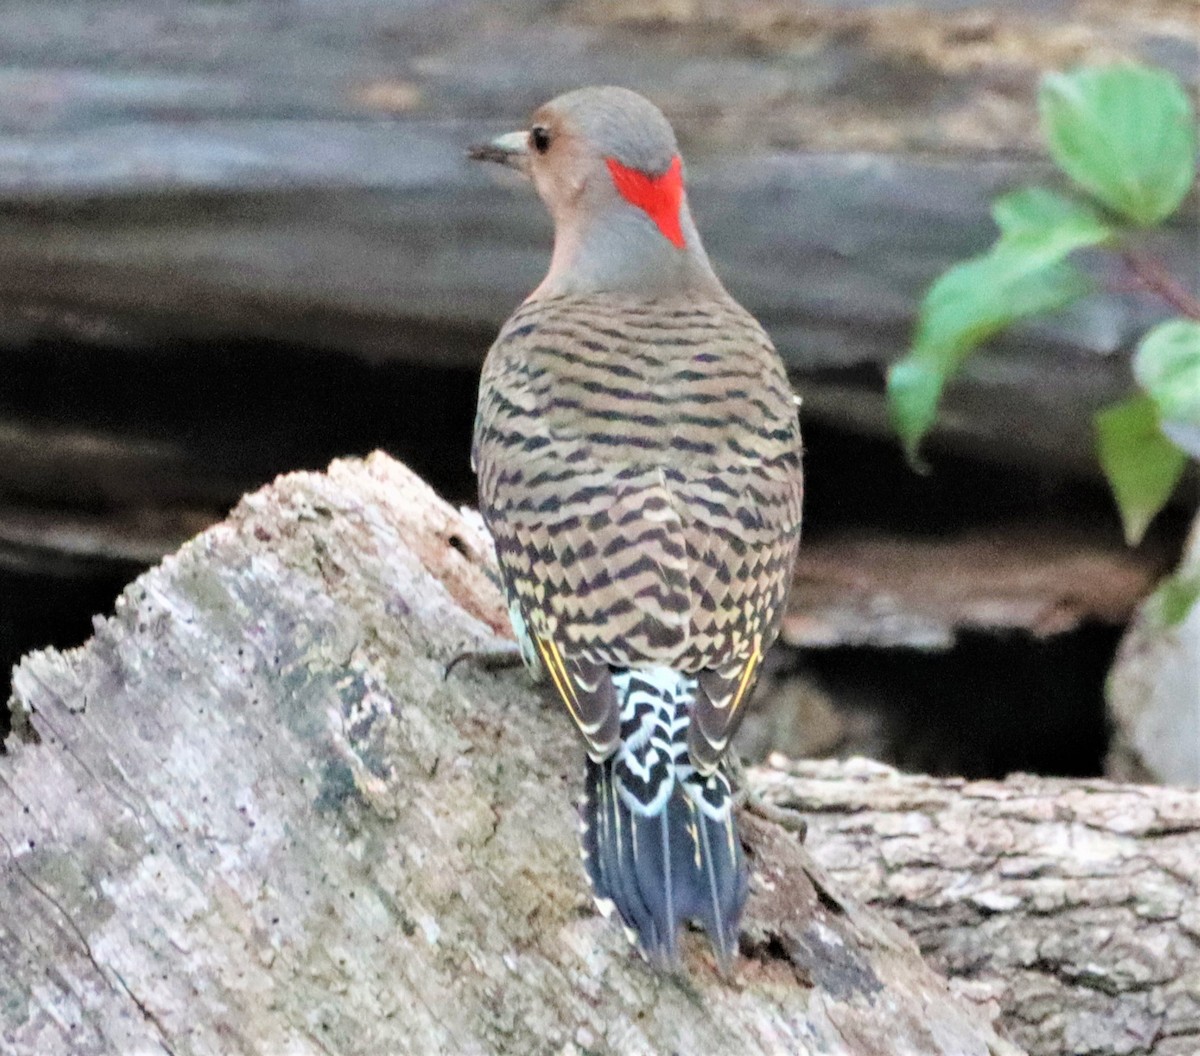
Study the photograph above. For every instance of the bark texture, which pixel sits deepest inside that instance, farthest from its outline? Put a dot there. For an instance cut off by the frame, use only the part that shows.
(1073, 907)
(253, 815)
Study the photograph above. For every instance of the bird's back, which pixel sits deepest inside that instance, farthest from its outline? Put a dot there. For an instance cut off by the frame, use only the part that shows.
(638, 454)
(639, 468)
(628, 444)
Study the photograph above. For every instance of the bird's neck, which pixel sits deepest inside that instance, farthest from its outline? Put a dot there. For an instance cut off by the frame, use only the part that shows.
(622, 251)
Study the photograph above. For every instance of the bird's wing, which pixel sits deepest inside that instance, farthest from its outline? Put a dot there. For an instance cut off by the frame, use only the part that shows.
(594, 557)
(640, 472)
(589, 541)
(743, 532)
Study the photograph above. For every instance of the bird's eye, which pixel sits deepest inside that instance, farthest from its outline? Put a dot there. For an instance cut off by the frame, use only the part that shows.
(539, 136)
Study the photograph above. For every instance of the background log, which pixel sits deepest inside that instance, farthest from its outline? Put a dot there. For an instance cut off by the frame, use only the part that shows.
(252, 815)
(245, 171)
(869, 588)
(1072, 906)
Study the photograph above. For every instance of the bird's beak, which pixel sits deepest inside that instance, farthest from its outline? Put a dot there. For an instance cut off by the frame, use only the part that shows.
(511, 149)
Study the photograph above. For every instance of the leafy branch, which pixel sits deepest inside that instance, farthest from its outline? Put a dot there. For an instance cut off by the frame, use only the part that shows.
(1125, 136)
(1154, 278)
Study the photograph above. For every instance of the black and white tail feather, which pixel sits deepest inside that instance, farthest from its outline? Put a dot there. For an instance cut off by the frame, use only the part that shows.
(659, 840)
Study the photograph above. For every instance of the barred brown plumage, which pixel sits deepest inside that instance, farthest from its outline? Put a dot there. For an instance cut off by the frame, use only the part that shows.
(638, 454)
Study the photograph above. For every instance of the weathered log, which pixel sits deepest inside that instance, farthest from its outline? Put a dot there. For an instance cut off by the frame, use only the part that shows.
(1071, 906)
(1154, 689)
(253, 815)
(239, 170)
(863, 589)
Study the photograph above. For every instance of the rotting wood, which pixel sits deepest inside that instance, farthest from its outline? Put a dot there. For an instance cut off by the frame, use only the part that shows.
(1072, 908)
(921, 592)
(1153, 690)
(251, 815)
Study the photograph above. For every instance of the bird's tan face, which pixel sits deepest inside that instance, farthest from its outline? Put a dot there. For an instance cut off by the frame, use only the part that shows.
(562, 163)
(554, 154)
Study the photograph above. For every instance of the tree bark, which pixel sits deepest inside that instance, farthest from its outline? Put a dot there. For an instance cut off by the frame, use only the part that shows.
(254, 815)
(1073, 907)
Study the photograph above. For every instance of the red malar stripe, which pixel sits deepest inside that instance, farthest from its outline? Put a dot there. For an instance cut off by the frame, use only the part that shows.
(660, 196)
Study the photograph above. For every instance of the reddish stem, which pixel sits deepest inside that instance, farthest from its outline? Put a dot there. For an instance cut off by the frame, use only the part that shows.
(1152, 275)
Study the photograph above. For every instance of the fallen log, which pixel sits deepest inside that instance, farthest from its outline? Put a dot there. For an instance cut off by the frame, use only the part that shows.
(253, 815)
(241, 172)
(1073, 907)
(920, 593)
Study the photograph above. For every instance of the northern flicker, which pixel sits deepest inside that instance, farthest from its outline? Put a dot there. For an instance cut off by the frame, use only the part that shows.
(638, 454)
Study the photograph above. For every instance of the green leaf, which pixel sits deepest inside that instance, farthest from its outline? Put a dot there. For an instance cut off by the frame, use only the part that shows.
(967, 305)
(914, 390)
(1175, 597)
(975, 299)
(1167, 366)
(1046, 226)
(1126, 134)
(1141, 464)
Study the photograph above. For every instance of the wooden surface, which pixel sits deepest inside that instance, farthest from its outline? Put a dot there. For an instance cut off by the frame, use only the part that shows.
(296, 173)
(252, 815)
(1071, 906)
(879, 590)
(1153, 691)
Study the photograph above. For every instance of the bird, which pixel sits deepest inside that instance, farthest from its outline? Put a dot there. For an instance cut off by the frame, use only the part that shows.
(638, 457)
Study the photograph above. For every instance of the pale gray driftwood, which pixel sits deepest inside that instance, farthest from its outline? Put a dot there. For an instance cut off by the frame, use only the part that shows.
(252, 815)
(1073, 907)
(1154, 688)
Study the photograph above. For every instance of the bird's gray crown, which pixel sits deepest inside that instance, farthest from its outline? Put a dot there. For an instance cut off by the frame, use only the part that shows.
(620, 124)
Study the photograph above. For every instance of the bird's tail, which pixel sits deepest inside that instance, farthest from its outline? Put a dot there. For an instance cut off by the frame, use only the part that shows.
(659, 839)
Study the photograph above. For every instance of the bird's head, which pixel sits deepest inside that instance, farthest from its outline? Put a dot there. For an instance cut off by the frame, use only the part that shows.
(606, 163)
